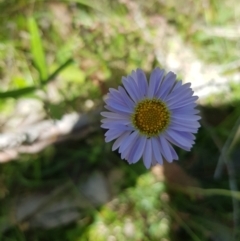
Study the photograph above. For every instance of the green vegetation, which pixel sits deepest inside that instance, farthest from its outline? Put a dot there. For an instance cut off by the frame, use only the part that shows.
(65, 55)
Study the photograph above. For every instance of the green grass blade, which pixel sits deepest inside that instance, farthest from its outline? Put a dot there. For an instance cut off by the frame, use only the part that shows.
(27, 90)
(17, 93)
(207, 192)
(37, 49)
(57, 71)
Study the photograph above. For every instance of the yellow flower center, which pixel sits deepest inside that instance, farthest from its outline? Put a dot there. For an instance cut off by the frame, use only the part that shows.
(151, 117)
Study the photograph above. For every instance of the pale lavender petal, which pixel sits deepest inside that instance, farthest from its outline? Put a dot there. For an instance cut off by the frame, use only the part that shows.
(112, 126)
(165, 149)
(130, 86)
(114, 115)
(166, 86)
(182, 128)
(112, 134)
(186, 135)
(118, 107)
(177, 86)
(185, 93)
(126, 97)
(130, 150)
(189, 106)
(129, 142)
(114, 110)
(120, 140)
(156, 79)
(156, 150)
(142, 82)
(135, 153)
(186, 123)
(183, 103)
(139, 149)
(135, 87)
(115, 95)
(117, 121)
(183, 111)
(176, 142)
(110, 99)
(121, 128)
(186, 117)
(173, 152)
(179, 138)
(147, 154)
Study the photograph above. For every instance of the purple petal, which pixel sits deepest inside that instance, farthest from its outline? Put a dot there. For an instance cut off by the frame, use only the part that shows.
(178, 94)
(121, 127)
(136, 152)
(173, 152)
(129, 142)
(115, 95)
(118, 107)
(189, 106)
(139, 149)
(130, 86)
(185, 123)
(156, 150)
(120, 140)
(183, 102)
(114, 115)
(114, 110)
(112, 134)
(126, 97)
(179, 138)
(166, 86)
(177, 85)
(156, 79)
(185, 111)
(187, 135)
(142, 82)
(117, 126)
(176, 142)
(147, 154)
(183, 128)
(116, 121)
(186, 117)
(165, 149)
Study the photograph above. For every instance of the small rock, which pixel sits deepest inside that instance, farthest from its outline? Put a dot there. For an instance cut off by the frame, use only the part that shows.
(96, 189)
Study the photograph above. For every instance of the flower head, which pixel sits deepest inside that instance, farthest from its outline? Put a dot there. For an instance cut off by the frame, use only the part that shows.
(146, 118)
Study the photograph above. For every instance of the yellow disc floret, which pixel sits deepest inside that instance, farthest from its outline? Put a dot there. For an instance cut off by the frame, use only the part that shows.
(151, 117)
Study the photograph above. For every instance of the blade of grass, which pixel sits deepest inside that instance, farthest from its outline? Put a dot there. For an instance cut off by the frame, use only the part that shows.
(225, 150)
(182, 223)
(17, 93)
(225, 159)
(37, 49)
(27, 90)
(57, 71)
(207, 192)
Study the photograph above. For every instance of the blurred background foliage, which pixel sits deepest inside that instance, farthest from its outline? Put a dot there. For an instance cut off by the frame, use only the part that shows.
(62, 56)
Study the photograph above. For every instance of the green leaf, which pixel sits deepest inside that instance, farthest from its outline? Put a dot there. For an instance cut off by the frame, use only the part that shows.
(37, 49)
(17, 93)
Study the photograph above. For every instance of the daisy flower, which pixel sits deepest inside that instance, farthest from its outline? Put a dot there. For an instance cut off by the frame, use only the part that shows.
(146, 118)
